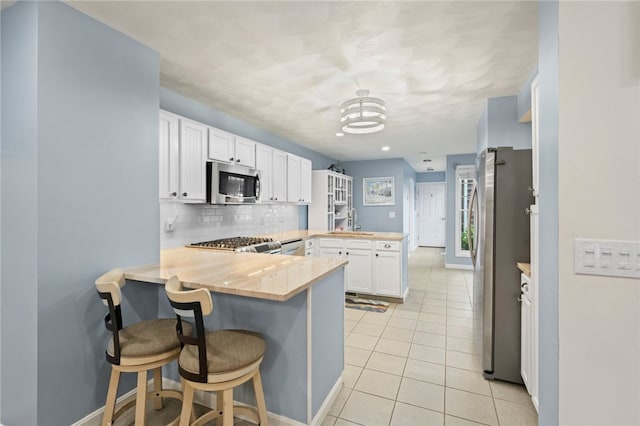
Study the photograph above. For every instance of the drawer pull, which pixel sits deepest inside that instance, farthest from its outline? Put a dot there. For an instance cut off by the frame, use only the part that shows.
(387, 246)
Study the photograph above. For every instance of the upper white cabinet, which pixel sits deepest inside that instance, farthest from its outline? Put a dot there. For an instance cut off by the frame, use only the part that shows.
(169, 156)
(298, 179)
(332, 202)
(229, 148)
(193, 157)
(264, 163)
(279, 184)
(221, 145)
(245, 154)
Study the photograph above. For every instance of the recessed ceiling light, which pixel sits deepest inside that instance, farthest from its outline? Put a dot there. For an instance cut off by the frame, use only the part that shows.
(426, 160)
(385, 148)
(339, 134)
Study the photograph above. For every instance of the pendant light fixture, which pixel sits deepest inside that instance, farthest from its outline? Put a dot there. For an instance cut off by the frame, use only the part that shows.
(362, 114)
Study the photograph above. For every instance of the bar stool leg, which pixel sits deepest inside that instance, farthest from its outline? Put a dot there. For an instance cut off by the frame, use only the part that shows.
(187, 404)
(110, 406)
(219, 403)
(157, 387)
(227, 407)
(141, 397)
(262, 406)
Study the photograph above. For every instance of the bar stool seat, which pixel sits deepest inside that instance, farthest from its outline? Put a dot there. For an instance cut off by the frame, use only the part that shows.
(215, 361)
(137, 348)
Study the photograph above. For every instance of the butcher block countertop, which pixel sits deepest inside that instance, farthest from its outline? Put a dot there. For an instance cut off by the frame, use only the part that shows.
(363, 235)
(525, 268)
(262, 276)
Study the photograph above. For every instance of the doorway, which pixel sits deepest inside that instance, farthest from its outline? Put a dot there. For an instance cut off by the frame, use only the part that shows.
(431, 214)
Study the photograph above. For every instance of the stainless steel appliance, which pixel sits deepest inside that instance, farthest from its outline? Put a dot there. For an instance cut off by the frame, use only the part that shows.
(499, 209)
(241, 245)
(231, 184)
(293, 247)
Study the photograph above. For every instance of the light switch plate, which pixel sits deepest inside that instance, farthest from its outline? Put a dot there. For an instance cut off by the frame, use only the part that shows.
(392, 215)
(607, 257)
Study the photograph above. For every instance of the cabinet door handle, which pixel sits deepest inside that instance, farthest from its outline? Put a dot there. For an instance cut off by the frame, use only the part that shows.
(238, 160)
(376, 254)
(231, 159)
(519, 299)
(339, 252)
(173, 194)
(347, 253)
(387, 245)
(184, 194)
(524, 287)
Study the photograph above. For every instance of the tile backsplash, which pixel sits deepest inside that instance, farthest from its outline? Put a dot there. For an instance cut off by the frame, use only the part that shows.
(198, 222)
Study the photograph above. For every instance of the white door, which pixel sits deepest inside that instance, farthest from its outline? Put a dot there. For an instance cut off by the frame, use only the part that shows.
(293, 178)
(221, 145)
(386, 271)
(431, 214)
(279, 185)
(264, 161)
(412, 215)
(193, 161)
(358, 271)
(245, 152)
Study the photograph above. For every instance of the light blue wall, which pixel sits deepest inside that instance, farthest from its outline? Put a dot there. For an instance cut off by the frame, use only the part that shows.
(503, 128)
(548, 52)
(83, 200)
(19, 214)
(452, 162)
(524, 96)
(376, 218)
(431, 177)
(198, 111)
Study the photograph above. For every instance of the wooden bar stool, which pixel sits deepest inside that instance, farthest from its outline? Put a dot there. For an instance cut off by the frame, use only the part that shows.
(137, 348)
(215, 361)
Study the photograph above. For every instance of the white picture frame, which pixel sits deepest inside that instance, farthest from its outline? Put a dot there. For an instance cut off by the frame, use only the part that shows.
(378, 191)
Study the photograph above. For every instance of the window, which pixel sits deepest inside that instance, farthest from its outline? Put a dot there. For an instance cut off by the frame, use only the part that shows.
(465, 178)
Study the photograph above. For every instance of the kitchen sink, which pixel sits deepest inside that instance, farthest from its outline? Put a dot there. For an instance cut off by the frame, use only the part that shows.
(350, 233)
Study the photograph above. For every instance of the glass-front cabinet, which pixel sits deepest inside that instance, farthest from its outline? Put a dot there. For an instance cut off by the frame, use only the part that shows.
(332, 202)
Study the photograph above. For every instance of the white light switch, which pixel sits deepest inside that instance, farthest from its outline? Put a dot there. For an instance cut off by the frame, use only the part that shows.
(610, 258)
(392, 215)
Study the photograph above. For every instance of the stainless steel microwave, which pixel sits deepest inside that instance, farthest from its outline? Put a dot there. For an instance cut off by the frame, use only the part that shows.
(231, 184)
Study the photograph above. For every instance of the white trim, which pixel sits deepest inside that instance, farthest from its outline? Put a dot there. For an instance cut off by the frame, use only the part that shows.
(309, 360)
(406, 292)
(456, 266)
(328, 403)
(122, 399)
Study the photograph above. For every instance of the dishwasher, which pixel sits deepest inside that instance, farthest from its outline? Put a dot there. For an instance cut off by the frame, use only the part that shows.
(294, 247)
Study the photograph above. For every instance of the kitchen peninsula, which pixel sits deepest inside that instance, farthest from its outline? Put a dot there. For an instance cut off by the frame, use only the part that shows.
(297, 303)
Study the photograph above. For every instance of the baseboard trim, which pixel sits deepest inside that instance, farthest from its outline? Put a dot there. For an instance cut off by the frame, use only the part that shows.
(328, 403)
(208, 399)
(456, 266)
(122, 399)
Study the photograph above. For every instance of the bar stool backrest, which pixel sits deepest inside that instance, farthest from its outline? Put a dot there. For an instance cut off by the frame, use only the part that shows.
(109, 289)
(193, 304)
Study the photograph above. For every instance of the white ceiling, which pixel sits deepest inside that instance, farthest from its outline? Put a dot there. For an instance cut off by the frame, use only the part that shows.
(287, 66)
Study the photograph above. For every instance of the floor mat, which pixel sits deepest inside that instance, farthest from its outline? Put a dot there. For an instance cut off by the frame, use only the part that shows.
(365, 304)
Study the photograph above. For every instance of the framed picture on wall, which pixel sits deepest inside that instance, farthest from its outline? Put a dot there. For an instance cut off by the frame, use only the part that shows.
(378, 191)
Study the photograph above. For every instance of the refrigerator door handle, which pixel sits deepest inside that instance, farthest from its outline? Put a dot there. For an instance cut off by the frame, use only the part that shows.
(472, 203)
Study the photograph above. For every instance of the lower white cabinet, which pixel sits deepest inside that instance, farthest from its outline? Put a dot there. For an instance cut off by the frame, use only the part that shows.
(375, 267)
(528, 347)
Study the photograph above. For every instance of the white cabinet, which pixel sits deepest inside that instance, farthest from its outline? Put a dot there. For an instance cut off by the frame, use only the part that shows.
(526, 333)
(245, 154)
(221, 145)
(193, 156)
(387, 269)
(169, 156)
(298, 179)
(264, 163)
(279, 184)
(229, 148)
(332, 201)
(375, 267)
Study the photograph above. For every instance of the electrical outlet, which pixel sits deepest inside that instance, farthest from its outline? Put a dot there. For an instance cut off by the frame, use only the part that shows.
(170, 225)
(605, 257)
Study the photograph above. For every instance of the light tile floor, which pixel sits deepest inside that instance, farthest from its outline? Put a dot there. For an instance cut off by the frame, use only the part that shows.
(419, 363)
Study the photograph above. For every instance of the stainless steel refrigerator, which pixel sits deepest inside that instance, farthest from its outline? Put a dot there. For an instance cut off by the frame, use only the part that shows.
(499, 209)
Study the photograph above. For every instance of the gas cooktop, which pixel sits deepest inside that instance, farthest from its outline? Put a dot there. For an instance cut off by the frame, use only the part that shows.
(241, 244)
